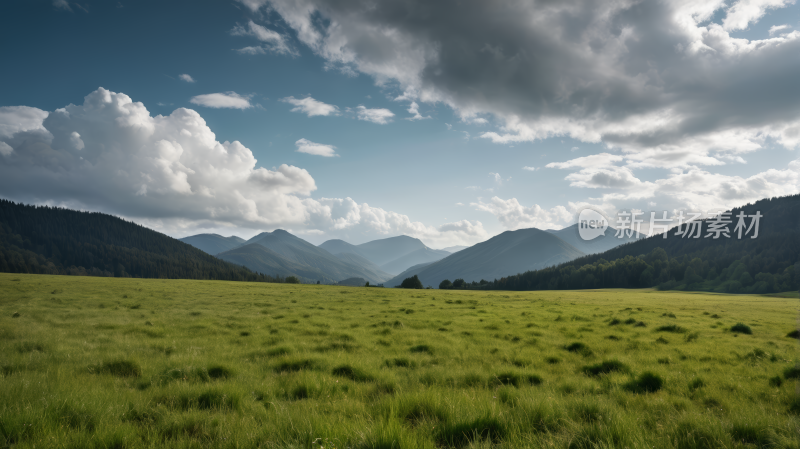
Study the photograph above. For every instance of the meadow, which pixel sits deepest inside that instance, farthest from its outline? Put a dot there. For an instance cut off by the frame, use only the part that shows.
(142, 363)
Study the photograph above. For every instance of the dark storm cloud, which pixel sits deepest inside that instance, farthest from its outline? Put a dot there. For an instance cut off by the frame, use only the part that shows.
(636, 75)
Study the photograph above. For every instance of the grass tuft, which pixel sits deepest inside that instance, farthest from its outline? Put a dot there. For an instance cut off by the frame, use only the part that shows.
(605, 367)
(421, 348)
(741, 329)
(579, 348)
(400, 362)
(515, 379)
(696, 384)
(674, 328)
(647, 382)
(792, 372)
(219, 372)
(294, 365)
(120, 368)
(352, 373)
(470, 432)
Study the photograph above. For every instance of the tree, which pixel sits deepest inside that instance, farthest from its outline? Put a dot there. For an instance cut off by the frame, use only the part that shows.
(459, 283)
(292, 280)
(412, 282)
(445, 284)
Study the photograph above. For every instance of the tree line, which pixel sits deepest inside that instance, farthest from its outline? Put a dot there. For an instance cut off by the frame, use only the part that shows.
(766, 264)
(54, 240)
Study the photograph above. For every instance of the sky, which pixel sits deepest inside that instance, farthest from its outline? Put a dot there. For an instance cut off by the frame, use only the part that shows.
(449, 121)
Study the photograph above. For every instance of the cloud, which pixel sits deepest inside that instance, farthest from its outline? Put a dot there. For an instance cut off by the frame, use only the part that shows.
(186, 77)
(512, 215)
(574, 149)
(778, 29)
(230, 100)
(311, 107)
(17, 119)
(62, 4)
(744, 12)
(170, 173)
(414, 109)
(318, 149)
(530, 168)
(595, 160)
(379, 115)
(664, 80)
(347, 219)
(251, 50)
(273, 41)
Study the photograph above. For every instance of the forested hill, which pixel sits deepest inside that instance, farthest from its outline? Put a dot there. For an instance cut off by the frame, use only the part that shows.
(761, 265)
(48, 240)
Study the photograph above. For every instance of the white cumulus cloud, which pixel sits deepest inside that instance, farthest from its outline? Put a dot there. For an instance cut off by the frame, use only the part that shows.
(380, 116)
(413, 108)
(170, 173)
(311, 107)
(186, 77)
(317, 149)
(230, 100)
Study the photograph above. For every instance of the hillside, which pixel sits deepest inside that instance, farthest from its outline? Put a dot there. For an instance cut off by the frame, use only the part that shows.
(299, 251)
(526, 249)
(384, 251)
(600, 244)
(47, 240)
(337, 246)
(354, 259)
(422, 255)
(213, 243)
(263, 260)
(454, 249)
(761, 265)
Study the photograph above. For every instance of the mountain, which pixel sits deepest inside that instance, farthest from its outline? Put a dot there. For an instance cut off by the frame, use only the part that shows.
(509, 252)
(51, 240)
(383, 251)
(337, 246)
(395, 281)
(454, 249)
(419, 256)
(213, 243)
(392, 255)
(300, 252)
(355, 259)
(263, 260)
(765, 264)
(600, 244)
(353, 282)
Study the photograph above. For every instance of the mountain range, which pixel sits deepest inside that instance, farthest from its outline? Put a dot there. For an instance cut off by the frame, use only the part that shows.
(287, 252)
(213, 243)
(388, 261)
(393, 255)
(501, 255)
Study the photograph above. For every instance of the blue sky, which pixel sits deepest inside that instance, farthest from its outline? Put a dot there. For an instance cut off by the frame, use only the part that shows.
(664, 124)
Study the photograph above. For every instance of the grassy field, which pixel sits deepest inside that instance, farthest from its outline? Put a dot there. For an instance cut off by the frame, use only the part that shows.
(98, 362)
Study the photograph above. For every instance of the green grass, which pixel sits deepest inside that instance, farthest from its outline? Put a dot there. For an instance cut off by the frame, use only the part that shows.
(131, 363)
